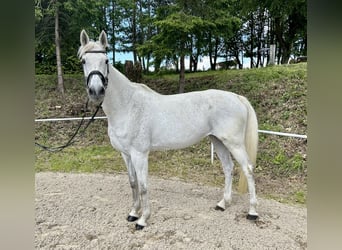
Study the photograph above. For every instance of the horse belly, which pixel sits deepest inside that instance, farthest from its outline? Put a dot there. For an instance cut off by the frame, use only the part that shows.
(178, 135)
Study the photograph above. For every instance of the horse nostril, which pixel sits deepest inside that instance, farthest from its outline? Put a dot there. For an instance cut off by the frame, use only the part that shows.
(102, 91)
(91, 91)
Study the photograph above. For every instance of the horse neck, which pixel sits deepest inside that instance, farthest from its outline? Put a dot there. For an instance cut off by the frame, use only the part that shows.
(119, 91)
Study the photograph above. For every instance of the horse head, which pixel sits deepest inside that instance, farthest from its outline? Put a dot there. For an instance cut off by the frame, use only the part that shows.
(95, 62)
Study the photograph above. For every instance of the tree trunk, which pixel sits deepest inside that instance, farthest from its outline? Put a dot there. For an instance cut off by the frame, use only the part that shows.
(195, 61)
(60, 81)
(211, 56)
(191, 55)
(157, 63)
(148, 64)
(279, 54)
(217, 42)
(269, 39)
(182, 74)
(113, 30)
(286, 53)
(176, 63)
(285, 41)
(260, 39)
(134, 32)
(252, 41)
(237, 59)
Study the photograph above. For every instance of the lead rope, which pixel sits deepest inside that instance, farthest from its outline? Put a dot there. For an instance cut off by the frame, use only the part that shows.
(70, 141)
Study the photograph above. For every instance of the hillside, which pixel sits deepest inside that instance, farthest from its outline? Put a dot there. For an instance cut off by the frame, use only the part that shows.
(278, 94)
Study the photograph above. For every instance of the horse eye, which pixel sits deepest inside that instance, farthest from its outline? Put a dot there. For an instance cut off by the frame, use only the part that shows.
(106, 61)
(83, 61)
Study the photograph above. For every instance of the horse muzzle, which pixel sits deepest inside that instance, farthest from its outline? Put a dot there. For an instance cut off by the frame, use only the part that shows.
(96, 94)
(96, 89)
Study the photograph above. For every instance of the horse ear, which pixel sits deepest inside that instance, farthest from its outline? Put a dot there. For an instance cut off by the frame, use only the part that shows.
(103, 39)
(84, 38)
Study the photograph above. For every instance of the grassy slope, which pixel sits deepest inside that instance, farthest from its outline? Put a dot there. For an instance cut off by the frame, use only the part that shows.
(277, 93)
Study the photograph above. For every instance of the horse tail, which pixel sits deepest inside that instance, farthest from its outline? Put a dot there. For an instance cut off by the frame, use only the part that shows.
(251, 133)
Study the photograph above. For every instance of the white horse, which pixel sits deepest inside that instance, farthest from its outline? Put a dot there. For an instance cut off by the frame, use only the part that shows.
(141, 120)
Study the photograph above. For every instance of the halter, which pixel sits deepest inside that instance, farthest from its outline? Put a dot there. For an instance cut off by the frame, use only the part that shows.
(103, 78)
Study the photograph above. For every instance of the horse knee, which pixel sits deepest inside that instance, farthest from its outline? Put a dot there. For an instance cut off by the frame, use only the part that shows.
(142, 189)
(248, 171)
(133, 183)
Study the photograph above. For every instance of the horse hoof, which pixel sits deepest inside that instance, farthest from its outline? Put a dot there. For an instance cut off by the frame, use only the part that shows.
(218, 208)
(132, 218)
(138, 227)
(252, 217)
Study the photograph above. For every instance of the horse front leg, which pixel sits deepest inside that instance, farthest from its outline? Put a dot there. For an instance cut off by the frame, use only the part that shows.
(134, 214)
(140, 164)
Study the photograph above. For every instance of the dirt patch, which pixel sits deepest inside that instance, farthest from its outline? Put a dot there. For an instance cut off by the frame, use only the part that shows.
(88, 211)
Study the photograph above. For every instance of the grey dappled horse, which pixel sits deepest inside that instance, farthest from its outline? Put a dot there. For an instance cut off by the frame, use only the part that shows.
(141, 120)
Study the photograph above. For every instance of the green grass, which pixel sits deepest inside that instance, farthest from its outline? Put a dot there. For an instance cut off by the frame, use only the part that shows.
(277, 93)
(300, 197)
(88, 159)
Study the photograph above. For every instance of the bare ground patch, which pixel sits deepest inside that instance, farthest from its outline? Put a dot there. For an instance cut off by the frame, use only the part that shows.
(88, 211)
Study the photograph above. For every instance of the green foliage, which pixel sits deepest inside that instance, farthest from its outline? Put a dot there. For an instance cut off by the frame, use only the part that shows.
(286, 163)
(163, 30)
(74, 15)
(119, 66)
(176, 32)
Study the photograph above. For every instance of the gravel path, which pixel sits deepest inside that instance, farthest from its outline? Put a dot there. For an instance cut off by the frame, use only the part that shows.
(88, 211)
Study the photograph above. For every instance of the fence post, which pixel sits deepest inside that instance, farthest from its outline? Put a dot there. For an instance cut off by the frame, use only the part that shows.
(129, 70)
(272, 54)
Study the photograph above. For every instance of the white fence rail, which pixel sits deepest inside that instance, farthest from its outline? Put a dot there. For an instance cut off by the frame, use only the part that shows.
(68, 119)
(211, 147)
(104, 117)
(282, 134)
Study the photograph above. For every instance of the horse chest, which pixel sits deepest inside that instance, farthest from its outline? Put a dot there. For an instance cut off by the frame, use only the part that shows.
(124, 137)
(119, 137)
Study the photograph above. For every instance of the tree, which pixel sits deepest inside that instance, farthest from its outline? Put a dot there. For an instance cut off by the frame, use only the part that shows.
(176, 34)
(48, 12)
(57, 27)
(223, 27)
(289, 25)
(60, 81)
(170, 30)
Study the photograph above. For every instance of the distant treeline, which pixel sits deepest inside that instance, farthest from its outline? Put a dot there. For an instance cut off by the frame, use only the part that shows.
(160, 32)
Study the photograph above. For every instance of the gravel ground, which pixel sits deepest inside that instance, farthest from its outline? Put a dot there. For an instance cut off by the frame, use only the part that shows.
(88, 211)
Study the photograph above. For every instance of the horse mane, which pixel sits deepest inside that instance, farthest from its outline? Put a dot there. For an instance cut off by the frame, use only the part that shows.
(89, 46)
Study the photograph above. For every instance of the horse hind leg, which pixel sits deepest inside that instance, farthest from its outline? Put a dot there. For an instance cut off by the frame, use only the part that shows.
(241, 156)
(227, 165)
